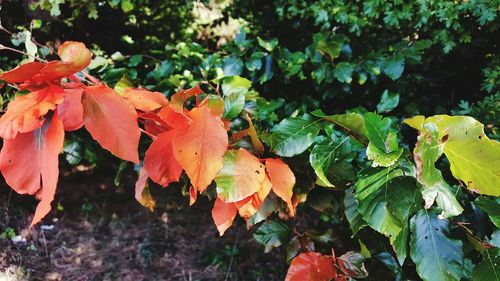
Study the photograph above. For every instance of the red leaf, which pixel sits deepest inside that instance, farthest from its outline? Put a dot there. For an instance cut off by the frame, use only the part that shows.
(160, 161)
(25, 113)
(223, 214)
(75, 57)
(178, 99)
(282, 179)
(71, 110)
(311, 266)
(23, 72)
(29, 163)
(153, 123)
(111, 121)
(174, 119)
(199, 149)
(193, 195)
(145, 100)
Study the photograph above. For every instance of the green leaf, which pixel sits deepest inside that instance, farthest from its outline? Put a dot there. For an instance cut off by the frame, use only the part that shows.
(272, 234)
(127, 6)
(330, 48)
(388, 102)
(135, 60)
(343, 72)
(122, 84)
(386, 199)
(234, 89)
(476, 163)
(474, 159)
(328, 153)
(31, 48)
(394, 66)
(427, 151)
(353, 124)
(453, 127)
(383, 148)
(268, 207)
(294, 135)
(268, 45)
(488, 269)
(437, 257)
(351, 211)
(490, 206)
(73, 152)
(232, 66)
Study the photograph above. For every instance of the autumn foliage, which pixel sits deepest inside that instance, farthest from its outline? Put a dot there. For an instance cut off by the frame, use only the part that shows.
(195, 140)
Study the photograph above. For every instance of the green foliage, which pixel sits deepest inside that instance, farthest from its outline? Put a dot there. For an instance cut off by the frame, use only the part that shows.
(286, 63)
(437, 256)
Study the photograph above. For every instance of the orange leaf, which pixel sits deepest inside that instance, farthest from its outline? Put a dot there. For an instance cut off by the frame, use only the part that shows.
(241, 176)
(22, 73)
(145, 100)
(257, 144)
(75, 57)
(153, 123)
(178, 99)
(25, 113)
(311, 266)
(71, 110)
(250, 205)
(160, 161)
(200, 148)
(223, 214)
(29, 163)
(174, 119)
(111, 121)
(142, 194)
(282, 179)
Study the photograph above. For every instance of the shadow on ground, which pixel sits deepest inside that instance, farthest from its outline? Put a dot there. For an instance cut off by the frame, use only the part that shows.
(97, 231)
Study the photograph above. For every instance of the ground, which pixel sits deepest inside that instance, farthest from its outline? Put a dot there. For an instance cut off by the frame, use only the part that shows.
(97, 231)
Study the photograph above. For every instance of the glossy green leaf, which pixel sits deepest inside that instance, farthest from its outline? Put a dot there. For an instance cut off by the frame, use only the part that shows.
(383, 148)
(234, 89)
(386, 199)
(294, 135)
(489, 268)
(435, 189)
(351, 211)
(232, 66)
(330, 48)
(353, 124)
(328, 153)
(491, 206)
(272, 234)
(343, 72)
(388, 102)
(394, 66)
(436, 255)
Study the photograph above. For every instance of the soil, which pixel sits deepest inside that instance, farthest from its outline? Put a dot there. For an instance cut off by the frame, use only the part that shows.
(97, 231)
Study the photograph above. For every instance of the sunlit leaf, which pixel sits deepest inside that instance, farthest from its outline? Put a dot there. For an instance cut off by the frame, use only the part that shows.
(111, 121)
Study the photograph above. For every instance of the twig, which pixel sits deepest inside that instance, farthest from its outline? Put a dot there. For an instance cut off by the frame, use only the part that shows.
(45, 243)
(148, 133)
(232, 256)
